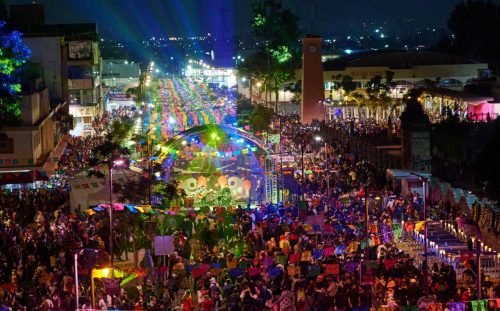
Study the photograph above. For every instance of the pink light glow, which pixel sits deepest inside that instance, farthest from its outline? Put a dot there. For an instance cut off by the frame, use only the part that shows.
(118, 163)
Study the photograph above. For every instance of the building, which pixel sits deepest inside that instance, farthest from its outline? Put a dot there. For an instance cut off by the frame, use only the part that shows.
(409, 69)
(71, 61)
(30, 151)
(120, 73)
(66, 93)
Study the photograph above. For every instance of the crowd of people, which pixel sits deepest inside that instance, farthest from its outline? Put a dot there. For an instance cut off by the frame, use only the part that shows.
(367, 126)
(309, 257)
(339, 247)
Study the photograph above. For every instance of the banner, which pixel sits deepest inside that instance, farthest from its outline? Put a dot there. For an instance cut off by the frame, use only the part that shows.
(316, 220)
(164, 245)
(332, 269)
(111, 286)
(80, 50)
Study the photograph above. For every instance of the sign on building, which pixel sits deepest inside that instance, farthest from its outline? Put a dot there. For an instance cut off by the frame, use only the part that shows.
(80, 50)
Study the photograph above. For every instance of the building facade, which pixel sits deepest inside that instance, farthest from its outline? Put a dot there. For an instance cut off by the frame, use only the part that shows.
(69, 82)
(70, 57)
(31, 150)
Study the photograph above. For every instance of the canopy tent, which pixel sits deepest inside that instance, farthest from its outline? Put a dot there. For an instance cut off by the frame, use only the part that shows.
(88, 191)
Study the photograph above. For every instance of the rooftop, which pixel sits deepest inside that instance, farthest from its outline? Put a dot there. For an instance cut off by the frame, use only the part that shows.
(394, 60)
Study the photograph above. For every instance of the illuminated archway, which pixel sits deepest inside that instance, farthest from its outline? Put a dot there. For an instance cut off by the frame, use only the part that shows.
(214, 161)
(177, 139)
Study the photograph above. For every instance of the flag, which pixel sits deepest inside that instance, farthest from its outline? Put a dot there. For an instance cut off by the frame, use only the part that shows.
(420, 225)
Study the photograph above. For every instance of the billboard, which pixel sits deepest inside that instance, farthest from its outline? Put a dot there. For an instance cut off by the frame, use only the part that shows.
(80, 50)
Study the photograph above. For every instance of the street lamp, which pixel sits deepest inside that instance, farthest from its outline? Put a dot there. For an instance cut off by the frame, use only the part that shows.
(236, 58)
(77, 289)
(303, 137)
(77, 253)
(319, 139)
(115, 164)
(424, 180)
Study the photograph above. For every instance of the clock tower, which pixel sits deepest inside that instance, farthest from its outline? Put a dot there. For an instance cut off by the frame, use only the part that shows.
(313, 89)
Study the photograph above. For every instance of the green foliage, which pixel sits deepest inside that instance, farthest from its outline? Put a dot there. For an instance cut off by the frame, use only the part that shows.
(133, 190)
(378, 90)
(261, 118)
(113, 147)
(13, 56)
(244, 105)
(345, 83)
(281, 54)
(244, 110)
(275, 63)
(121, 130)
(276, 25)
(169, 192)
(259, 21)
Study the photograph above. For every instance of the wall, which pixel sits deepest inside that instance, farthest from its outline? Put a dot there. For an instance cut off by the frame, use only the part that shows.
(23, 153)
(34, 107)
(47, 52)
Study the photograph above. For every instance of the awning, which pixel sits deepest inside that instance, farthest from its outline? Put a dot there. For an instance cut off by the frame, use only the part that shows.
(52, 161)
(22, 177)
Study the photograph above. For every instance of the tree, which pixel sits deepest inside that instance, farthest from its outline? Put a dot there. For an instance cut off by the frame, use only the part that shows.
(378, 90)
(487, 164)
(169, 192)
(261, 118)
(13, 56)
(414, 115)
(475, 24)
(275, 62)
(112, 148)
(344, 83)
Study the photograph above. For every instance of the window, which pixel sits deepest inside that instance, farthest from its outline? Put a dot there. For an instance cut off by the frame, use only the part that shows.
(79, 72)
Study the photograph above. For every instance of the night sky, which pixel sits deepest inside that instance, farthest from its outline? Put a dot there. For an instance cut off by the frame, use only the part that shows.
(135, 19)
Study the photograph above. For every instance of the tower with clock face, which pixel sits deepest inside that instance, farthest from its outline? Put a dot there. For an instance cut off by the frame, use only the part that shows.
(313, 89)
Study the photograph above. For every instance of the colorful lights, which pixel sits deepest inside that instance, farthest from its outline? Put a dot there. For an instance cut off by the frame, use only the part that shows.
(13, 55)
(259, 21)
(281, 54)
(215, 136)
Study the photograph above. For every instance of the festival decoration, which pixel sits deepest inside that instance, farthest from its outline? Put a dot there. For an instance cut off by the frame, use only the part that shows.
(171, 114)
